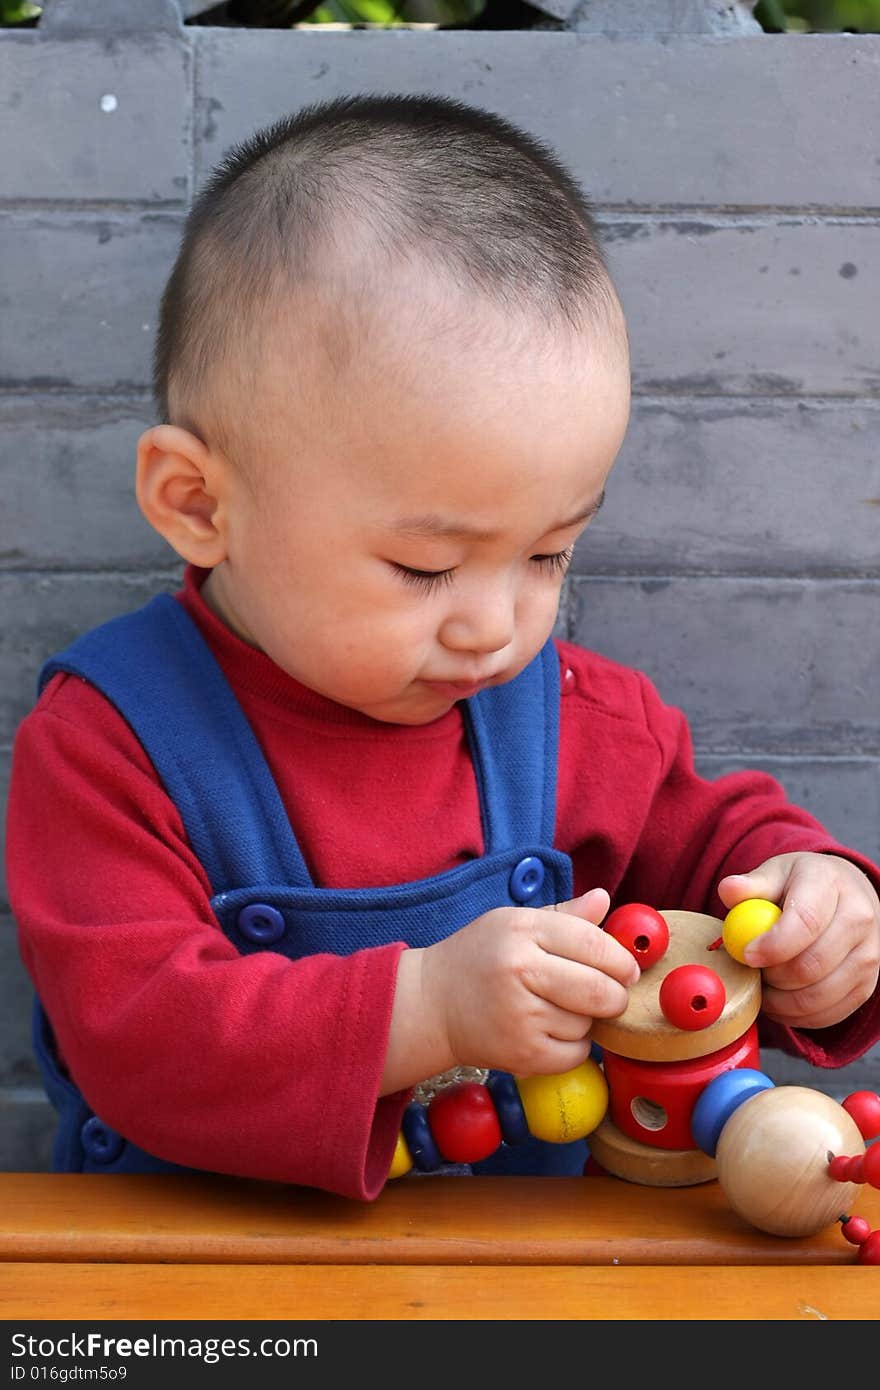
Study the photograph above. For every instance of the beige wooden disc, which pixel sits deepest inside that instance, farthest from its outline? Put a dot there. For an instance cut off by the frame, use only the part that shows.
(627, 1158)
(643, 1033)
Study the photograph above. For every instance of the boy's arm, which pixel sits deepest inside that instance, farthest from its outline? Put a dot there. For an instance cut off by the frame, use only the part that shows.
(673, 835)
(253, 1065)
(731, 826)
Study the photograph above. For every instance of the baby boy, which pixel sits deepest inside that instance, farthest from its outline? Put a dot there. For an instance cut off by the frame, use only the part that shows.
(342, 814)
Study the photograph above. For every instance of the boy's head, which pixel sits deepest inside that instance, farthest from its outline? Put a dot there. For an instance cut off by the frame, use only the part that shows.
(389, 315)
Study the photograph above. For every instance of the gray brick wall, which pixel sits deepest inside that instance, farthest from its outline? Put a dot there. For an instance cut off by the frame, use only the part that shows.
(738, 183)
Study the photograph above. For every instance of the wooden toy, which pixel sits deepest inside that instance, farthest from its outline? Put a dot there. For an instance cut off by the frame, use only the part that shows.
(673, 1094)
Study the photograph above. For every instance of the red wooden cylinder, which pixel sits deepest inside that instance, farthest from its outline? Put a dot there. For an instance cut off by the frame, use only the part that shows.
(653, 1101)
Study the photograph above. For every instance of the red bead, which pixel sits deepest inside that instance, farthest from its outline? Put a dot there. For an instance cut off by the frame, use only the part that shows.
(840, 1168)
(642, 930)
(856, 1230)
(869, 1253)
(864, 1107)
(855, 1171)
(692, 997)
(464, 1123)
(871, 1166)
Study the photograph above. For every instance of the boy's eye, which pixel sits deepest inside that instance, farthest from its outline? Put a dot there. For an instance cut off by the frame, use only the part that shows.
(431, 579)
(557, 563)
(424, 579)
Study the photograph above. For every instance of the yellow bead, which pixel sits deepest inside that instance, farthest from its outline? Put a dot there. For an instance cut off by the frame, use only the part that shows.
(746, 921)
(402, 1160)
(566, 1106)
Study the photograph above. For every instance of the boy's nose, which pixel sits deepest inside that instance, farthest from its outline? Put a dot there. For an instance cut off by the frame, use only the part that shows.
(484, 624)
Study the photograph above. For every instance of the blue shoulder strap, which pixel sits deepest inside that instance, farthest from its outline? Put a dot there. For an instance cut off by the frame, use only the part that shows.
(514, 739)
(155, 667)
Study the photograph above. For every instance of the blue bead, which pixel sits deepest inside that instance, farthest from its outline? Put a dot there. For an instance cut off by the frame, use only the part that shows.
(419, 1139)
(717, 1102)
(99, 1141)
(508, 1107)
(526, 879)
(261, 923)
(596, 1052)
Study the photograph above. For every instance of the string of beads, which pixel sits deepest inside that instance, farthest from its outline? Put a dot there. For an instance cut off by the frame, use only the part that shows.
(468, 1121)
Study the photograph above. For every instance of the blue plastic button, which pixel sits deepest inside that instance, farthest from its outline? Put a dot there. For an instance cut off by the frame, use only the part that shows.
(99, 1141)
(717, 1102)
(261, 923)
(526, 879)
(419, 1139)
(508, 1107)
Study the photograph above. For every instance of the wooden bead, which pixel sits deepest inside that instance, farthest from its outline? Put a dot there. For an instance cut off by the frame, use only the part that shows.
(772, 1160)
(692, 997)
(745, 921)
(864, 1106)
(419, 1139)
(869, 1252)
(871, 1166)
(642, 930)
(402, 1162)
(501, 1086)
(464, 1122)
(567, 1106)
(856, 1230)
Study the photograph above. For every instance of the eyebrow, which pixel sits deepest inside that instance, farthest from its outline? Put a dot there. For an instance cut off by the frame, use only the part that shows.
(452, 530)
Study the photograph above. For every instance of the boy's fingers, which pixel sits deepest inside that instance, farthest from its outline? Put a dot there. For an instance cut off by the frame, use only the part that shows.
(808, 908)
(592, 906)
(769, 882)
(817, 1006)
(576, 939)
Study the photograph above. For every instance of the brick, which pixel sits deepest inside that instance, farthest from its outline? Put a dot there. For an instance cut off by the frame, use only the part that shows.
(27, 1129)
(95, 118)
(768, 486)
(5, 766)
(773, 666)
(18, 1066)
(45, 612)
(93, 287)
(843, 793)
(778, 308)
(688, 122)
(74, 456)
(863, 1075)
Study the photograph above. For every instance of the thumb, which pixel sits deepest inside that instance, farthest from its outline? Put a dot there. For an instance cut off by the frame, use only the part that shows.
(592, 906)
(768, 881)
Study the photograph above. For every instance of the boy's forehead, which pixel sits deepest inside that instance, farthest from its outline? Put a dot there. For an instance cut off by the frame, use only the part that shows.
(417, 336)
(413, 363)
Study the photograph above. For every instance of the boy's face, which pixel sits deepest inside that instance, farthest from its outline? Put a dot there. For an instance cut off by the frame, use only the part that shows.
(406, 545)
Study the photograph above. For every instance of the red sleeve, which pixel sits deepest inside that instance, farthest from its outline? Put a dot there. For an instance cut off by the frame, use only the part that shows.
(670, 836)
(252, 1065)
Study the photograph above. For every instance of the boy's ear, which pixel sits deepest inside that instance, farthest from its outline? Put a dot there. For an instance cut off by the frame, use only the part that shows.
(180, 488)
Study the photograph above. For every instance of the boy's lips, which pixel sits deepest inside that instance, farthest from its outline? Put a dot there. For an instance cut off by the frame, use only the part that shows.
(457, 690)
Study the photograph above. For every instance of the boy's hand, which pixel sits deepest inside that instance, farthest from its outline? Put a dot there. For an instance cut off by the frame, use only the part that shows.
(518, 988)
(822, 957)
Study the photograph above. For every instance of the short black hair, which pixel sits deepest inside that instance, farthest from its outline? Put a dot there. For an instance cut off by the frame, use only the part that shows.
(426, 176)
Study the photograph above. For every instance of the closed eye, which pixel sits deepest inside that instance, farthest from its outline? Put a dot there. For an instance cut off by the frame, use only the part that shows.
(424, 579)
(556, 564)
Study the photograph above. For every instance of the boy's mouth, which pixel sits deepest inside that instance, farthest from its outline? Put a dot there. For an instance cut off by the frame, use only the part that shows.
(456, 690)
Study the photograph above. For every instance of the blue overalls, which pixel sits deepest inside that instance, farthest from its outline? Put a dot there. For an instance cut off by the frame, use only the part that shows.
(157, 670)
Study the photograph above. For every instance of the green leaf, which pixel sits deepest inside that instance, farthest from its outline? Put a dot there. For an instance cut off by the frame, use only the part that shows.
(18, 11)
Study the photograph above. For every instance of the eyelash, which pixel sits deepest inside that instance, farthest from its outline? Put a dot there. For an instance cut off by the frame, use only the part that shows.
(434, 579)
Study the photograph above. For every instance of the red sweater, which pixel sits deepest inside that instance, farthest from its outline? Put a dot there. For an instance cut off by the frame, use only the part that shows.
(265, 1067)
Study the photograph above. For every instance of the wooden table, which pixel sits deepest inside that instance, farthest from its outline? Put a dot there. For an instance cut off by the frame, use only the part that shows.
(177, 1247)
